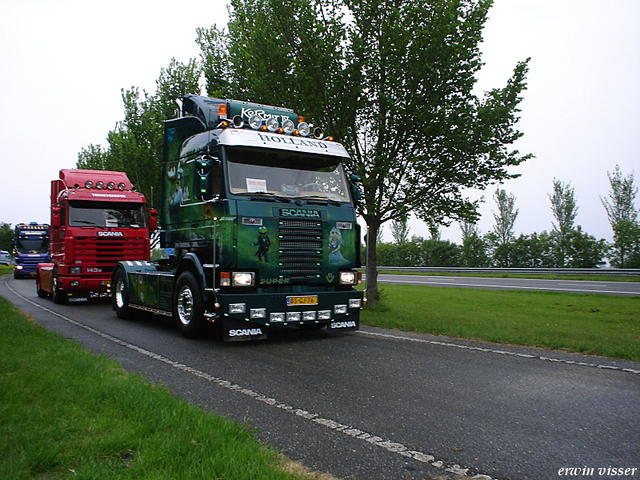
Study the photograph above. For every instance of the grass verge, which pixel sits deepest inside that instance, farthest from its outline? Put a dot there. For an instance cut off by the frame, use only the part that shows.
(66, 413)
(604, 325)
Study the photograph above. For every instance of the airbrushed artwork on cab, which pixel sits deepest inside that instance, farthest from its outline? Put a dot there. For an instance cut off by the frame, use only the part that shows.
(283, 253)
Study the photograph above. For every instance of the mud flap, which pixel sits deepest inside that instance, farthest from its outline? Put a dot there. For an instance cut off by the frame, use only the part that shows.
(239, 331)
(346, 325)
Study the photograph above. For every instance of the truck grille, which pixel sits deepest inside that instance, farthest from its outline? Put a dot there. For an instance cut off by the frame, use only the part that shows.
(300, 249)
(107, 251)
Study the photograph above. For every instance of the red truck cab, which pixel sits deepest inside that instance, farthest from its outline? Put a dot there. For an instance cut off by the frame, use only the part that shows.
(97, 219)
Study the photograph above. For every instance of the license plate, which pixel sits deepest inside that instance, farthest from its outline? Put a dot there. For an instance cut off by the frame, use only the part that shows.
(105, 283)
(299, 300)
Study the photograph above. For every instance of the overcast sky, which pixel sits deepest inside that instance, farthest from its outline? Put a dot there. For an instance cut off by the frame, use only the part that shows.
(63, 65)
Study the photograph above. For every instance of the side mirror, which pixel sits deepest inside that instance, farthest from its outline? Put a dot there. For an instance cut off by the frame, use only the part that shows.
(55, 216)
(356, 192)
(204, 184)
(153, 219)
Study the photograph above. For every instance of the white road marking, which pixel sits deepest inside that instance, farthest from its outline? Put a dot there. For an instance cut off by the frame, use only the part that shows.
(498, 352)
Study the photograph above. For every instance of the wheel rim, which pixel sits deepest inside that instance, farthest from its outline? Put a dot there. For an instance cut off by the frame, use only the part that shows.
(185, 305)
(120, 293)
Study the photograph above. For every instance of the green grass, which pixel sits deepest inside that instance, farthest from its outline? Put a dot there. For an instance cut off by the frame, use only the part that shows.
(603, 325)
(66, 413)
(592, 278)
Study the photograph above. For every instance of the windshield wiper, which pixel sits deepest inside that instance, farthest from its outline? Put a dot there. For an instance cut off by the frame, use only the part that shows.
(93, 224)
(271, 196)
(321, 200)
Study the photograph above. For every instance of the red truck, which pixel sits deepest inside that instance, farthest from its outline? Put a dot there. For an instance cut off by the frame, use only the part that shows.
(97, 219)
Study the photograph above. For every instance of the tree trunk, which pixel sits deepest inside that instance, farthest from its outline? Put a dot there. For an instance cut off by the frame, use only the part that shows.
(373, 296)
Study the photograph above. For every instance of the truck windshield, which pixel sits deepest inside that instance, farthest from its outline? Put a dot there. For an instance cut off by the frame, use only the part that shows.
(32, 244)
(106, 214)
(286, 174)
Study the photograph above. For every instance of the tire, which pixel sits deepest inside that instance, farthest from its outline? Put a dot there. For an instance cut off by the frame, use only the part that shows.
(187, 305)
(120, 295)
(57, 296)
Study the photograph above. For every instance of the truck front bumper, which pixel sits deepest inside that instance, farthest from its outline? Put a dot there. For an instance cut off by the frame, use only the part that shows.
(244, 314)
(92, 288)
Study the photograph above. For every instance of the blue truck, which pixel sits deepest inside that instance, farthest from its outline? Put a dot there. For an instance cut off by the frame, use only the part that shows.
(30, 247)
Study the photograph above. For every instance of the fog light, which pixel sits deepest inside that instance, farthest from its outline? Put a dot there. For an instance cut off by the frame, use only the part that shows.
(339, 309)
(258, 313)
(324, 315)
(237, 308)
(293, 316)
(307, 316)
(355, 303)
(348, 278)
(277, 317)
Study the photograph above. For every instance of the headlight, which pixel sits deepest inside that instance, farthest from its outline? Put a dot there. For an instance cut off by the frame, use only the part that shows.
(293, 316)
(355, 303)
(348, 278)
(19, 267)
(75, 270)
(243, 279)
(339, 309)
(256, 313)
(324, 315)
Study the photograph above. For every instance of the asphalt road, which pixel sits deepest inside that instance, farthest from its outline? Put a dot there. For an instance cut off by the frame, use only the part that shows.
(530, 284)
(379, 404)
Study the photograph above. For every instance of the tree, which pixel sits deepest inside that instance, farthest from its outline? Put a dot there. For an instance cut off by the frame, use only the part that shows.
(400, 230)
(473, 252)
(393, 82)
(6, 234)
(502, 235)
(135, 145)
(623, 217)
(565, 210)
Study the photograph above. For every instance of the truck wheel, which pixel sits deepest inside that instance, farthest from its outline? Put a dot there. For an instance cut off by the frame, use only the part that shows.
(56, 295)
(120, 296)
(187, 303)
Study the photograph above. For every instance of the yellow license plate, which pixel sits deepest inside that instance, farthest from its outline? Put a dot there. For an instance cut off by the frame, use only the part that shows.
(105, 283)
(300, 300)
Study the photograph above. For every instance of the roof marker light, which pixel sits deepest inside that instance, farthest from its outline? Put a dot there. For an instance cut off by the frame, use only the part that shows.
(238, 122)
(88, 184)
(255, 122)
(100, 184)
(272, 124)
(288, 126)
(304, 129)
(121, 186)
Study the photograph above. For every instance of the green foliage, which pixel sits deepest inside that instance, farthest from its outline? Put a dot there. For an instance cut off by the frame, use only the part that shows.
(6, 234)
(135, 145)
(623, 217)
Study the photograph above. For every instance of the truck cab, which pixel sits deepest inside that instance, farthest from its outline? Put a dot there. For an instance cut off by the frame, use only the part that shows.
(30, 247)
(97, 219)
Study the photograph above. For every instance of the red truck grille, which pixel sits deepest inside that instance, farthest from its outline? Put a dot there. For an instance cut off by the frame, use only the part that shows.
(108, 251)
(300, 248)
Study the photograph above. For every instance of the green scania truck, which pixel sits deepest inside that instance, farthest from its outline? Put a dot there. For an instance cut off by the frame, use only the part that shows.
(258, 225)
